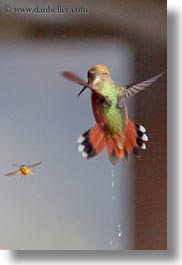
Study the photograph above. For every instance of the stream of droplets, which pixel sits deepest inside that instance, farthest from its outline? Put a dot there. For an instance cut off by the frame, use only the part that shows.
(116, 241)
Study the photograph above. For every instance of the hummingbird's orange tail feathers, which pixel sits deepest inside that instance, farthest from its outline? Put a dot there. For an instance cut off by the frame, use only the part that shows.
(92, 142)
(121, 145)
(135, 138)
(112, 150)
(130, 137)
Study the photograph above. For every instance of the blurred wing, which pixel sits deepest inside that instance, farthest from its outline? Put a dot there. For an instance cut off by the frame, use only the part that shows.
(12, 173)
(76, 79)
(34, 165)
(134, 89)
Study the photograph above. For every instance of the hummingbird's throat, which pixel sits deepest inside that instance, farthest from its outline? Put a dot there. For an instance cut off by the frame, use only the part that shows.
(91, 83)
(96, 80)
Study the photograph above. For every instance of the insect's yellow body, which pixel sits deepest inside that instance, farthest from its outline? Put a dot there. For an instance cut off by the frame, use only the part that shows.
(24, 170)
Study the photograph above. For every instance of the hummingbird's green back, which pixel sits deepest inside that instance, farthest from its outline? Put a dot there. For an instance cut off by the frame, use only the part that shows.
(113, 117)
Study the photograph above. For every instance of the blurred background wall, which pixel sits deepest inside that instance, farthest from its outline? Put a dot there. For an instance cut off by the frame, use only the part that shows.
(135, 29)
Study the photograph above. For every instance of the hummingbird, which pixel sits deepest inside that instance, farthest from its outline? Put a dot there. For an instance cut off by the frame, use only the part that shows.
(23, 170)
(113, 128)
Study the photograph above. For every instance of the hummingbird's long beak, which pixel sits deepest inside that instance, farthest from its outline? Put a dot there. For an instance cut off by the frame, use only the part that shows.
(76, 79)
(87, 85)
(81, 91)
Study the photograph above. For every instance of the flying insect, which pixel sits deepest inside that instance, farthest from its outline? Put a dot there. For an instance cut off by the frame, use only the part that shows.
(23, 170)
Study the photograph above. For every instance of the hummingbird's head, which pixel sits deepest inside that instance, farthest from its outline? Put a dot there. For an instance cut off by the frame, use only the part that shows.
(97, 72)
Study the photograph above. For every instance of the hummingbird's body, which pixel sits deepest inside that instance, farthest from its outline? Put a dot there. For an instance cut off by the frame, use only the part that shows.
(112, 119)
(113, 128)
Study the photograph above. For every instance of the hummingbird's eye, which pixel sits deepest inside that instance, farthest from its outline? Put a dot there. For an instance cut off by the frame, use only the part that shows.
(90, 73)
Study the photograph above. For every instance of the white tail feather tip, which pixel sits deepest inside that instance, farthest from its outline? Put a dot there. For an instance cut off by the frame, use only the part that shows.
(142, 129)
(143, 146)
(84, 154)
(144, 137)
(81, 148)
(80, 139)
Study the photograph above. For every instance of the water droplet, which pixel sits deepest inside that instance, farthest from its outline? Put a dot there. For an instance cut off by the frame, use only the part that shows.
(113, 183)
(120, 234)
(112, 172)
(111, 242)
(113, 197)
(119, 227)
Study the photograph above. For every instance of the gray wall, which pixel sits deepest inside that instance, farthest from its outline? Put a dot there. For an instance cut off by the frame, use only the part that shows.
(68, 204)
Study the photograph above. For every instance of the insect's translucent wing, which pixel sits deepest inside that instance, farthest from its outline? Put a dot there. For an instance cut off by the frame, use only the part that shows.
(134, 89)
(12, 173)
(34, 165)
(15, 165)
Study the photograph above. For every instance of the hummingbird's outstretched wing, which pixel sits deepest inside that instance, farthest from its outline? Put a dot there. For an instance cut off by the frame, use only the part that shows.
(135, 88)
(12, 173)
(34, 165)
(76, 79)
